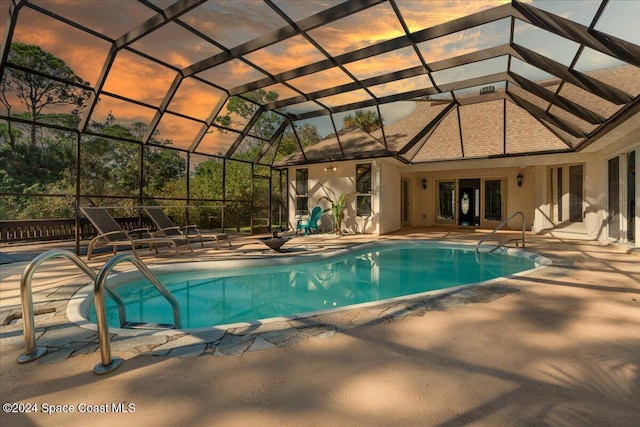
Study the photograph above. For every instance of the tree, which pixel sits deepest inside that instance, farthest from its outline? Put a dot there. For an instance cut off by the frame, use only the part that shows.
(367, 120)
(37, 92)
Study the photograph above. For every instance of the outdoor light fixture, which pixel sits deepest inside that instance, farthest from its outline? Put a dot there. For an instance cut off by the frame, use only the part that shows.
(424, 183)
(330, 168)
(519, 180)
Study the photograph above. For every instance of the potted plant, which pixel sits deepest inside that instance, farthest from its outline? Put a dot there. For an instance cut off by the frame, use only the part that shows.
(338, 206)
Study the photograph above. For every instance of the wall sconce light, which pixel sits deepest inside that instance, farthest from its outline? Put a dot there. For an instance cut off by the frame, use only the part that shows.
(519, 178)
(424, 183)
(330, 168)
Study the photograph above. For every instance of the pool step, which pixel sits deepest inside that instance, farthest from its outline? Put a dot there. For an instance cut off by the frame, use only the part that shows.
(503, 243)
(145, 325)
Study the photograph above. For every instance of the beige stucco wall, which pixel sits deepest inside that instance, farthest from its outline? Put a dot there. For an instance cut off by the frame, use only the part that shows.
(532, 198)
(340, 181)
(423, 202)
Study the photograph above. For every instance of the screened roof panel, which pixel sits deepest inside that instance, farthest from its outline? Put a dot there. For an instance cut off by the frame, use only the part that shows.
(101, 17)
(403, 121)
(4, 11)
(583, 97)
(620, 19)
(480, 92)
(81, 51)
(568, 9)
(384, 63)
(298, 10)
(462, 42)
(418, 17)
(529, 71)
(321, 80)
(567, 117)
(232, 23)
(569, 139)
(195, 99)
(217, 141)
(231, 74)
(277, 61)
(365, 28)
(301, 108)
(321, 124)
(120, 112)
(278, 91)
(179, 130)
(419, 82)
(175, 46)
(544, 42)
(138, 78)
(346, 119)
(286, 55)
(345, 98)
(230, 117)
(470, 71)
(266, 124)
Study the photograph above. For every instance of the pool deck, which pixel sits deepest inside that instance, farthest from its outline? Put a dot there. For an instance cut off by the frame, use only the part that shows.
(558, 346)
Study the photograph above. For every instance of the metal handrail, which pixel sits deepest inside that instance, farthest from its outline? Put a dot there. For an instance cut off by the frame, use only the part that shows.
(107, 363)
(32, 352)
(502, 224)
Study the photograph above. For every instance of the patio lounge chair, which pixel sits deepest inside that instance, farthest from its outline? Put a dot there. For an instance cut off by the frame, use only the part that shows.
(166, 227)
(311, 223)
(111, 234)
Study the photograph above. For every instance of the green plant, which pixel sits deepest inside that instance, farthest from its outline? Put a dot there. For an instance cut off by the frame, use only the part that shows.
(338, 206)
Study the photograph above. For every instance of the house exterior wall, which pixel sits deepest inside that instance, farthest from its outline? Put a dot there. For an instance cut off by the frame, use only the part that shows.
(323, 180)
(533, 198)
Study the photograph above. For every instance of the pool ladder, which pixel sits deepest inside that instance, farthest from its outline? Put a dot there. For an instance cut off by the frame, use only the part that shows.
(502, 224)
(108, 364)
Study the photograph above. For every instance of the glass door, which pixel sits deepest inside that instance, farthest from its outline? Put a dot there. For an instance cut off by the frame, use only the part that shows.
(631, 197)
(404, 203)
(613, 208)
(469, 202)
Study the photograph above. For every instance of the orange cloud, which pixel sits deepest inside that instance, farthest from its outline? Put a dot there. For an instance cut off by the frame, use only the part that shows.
(286, 55)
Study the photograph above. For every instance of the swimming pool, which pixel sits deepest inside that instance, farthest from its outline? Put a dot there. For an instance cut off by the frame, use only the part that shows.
(225, 293)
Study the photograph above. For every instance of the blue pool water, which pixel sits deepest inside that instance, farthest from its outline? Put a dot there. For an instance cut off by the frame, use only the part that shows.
(213, 297)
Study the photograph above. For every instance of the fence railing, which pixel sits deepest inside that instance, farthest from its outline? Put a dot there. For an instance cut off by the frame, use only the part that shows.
(29, 230)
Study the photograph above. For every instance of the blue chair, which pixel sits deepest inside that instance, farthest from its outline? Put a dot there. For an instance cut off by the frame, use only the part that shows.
(311, 223)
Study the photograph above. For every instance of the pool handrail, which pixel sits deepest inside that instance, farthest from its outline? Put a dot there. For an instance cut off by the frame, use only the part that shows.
(109, 364)
(32, 352)
(499, 226)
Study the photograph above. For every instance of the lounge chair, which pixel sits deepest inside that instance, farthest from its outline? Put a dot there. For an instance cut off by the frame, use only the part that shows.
(311, 223)
(166, 227)
(111, 234)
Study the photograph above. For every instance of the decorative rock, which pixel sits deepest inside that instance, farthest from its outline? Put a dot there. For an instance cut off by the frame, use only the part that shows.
(54, 356)
(192, 339)
(128, 343)
(233, 345)
(62, 335)
(189, 351)
(260, 343)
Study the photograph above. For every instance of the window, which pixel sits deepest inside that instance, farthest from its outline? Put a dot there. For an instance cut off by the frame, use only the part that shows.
(559, 194)
(446, 200)
(302, 191)
(493, 200)
(575, 193)
(566, 193)
(363, 189)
